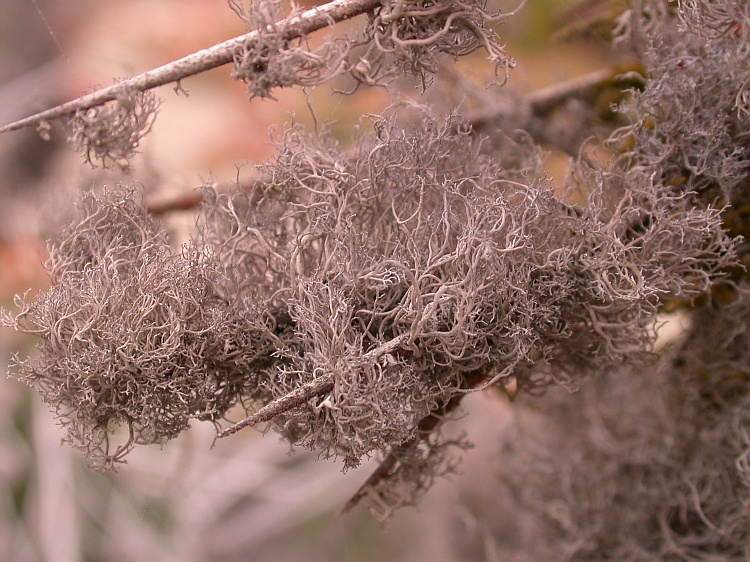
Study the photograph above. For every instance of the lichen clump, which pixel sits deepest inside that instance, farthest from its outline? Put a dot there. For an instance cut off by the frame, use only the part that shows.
(131, 333)
(401, 38)
(650, 465)
(110, 134)
(271, 60)
(391, 279)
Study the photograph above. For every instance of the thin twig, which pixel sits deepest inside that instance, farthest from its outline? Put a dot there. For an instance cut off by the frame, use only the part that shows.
(300, 395)
(544, 101)
(192, 199)
(182, 202)
(296, 398)
(388, 466)
(380, 474)
(203, 60)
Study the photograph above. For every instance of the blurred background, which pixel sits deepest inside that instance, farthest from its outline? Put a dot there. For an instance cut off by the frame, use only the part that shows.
(248, 497)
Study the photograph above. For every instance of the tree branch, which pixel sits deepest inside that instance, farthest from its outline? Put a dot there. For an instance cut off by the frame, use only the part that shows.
(300, 395)
(388, 467)
(203, 60)
(543, 113)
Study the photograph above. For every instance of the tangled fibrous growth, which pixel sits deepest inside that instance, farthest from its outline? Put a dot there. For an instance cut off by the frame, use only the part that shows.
(652, 465)
(407, 37)
(111, 133)
(352, 298)
(692, 121)
(421, 244)
(274, 60)
(131, 334)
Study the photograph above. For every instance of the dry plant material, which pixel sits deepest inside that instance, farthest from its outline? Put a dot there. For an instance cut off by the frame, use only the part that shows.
(651, 465)
(275, 59)
(111, 133)
(132, 334)
(691, 124)
(351, 301)
(351, 298)
(405, 37)
(408, 36)
(400, 36)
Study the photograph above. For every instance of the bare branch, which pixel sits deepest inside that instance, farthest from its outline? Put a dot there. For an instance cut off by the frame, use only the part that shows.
(546, 100)
(562, 115)
(203, 60)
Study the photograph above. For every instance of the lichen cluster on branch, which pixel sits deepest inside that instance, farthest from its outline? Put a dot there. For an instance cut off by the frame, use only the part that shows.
(401, 37)
(395, 280)
(650, 465)
(653, 463)
(351, 297)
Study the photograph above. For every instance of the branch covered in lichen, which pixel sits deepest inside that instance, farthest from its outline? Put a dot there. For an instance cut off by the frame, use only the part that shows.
(200, 61)
(273, 54)
(351, 297)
